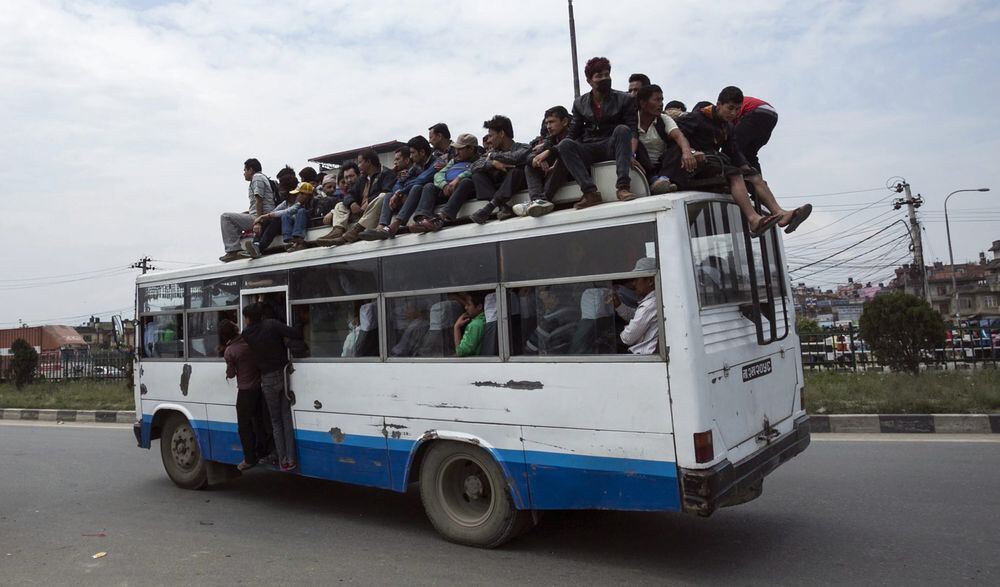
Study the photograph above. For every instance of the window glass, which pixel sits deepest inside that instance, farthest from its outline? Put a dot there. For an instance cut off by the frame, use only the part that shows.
(203, 332)
(423, 326)
(339, 329)
(570, 319)
(265, 279)
(459, 266)
(341, 279)
(718, 251)
(159, 298)
(163, 336)
(214, 293)
(594, 252)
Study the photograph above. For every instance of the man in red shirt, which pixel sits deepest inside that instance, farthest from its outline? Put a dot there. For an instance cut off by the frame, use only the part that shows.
(754, 124)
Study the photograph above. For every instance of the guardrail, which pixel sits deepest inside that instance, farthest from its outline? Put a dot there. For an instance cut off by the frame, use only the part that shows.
(846, 350)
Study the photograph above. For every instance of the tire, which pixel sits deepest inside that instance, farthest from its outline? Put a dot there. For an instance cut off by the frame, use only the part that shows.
(467, 498)
(181, 455)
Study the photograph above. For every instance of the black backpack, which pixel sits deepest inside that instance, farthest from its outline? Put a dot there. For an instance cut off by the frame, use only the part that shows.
(274, 191)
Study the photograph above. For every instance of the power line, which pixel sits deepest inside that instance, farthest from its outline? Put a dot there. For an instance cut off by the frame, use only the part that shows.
(831, 194)
(845, 249)
(62, 276)
(896, 242)
(62, 282)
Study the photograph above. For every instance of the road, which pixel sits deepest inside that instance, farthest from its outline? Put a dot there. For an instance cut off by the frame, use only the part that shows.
(850, 510)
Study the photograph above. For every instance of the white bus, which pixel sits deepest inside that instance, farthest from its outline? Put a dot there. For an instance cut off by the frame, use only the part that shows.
(554, 413)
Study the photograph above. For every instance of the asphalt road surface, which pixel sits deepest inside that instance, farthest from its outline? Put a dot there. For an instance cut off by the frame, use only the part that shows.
(850, 510)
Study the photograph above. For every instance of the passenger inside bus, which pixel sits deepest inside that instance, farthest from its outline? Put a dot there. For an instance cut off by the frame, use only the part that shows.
(469, 327)
(641, 332)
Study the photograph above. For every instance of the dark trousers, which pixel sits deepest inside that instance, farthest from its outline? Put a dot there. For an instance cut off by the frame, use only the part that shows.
(652, 168)
(500, 186)
(247, 415)
(542, 186)
(752, 132)
(270, 230)
(432, 195)
(409, 206)
(578, 156)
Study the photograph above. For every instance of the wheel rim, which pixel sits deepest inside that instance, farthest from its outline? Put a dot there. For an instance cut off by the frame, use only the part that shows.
(184, 447)
(466, 490)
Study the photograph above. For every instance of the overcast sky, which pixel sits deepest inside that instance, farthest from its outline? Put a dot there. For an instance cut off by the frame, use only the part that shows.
(124, 125)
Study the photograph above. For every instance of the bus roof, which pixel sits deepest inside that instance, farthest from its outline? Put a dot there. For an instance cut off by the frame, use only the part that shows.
(559, 221)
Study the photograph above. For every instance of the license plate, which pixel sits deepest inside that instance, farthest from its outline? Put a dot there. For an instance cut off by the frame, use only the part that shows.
(755, 370)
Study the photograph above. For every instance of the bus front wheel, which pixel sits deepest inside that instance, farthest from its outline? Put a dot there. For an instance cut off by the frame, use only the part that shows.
(181, 455)
(466, 496)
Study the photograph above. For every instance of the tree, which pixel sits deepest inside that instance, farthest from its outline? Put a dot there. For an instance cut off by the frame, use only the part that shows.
(900, 328)
(805, 325)
(23, 363)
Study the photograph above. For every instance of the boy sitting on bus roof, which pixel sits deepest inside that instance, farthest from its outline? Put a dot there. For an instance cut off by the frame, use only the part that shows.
(292, 215)
(641, 332)
(545, 174)
(362, 204)
(499, 174)
(470, 325)
(604, 128)
(709, 130)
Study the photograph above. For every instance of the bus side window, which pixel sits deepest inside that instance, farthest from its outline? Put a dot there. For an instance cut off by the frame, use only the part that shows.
(566, 319)
(163, 336)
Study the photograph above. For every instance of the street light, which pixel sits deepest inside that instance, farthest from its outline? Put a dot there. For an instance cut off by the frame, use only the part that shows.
(951, 256)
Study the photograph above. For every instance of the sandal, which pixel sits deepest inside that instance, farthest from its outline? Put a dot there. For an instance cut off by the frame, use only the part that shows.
(799, 216)
(766, 223)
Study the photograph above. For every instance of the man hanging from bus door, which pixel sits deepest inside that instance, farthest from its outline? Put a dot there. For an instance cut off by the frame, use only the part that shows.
(266, 338)
(641, 332)
(241, 364)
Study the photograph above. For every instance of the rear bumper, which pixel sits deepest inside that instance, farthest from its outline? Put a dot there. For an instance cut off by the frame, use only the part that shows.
(725, 484)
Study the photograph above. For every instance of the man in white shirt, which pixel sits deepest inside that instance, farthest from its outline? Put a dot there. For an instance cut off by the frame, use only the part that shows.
(641, 332)
(261, 202)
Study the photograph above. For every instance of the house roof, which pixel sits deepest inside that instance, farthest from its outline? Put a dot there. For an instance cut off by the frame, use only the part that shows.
(351, 154)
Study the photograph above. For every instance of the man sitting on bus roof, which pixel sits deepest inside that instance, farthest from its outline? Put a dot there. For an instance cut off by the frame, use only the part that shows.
(641, 332)
(362, 204)
(709, 131)
(261, 202)
(603, 128)
(406, 192)
(452, 179)
(499, 174)
(636, 82)
(264, 231)
(439, 136)
(545, 173)
(656, 129)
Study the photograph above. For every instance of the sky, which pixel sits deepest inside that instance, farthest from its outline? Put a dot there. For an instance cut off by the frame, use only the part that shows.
(125, 125)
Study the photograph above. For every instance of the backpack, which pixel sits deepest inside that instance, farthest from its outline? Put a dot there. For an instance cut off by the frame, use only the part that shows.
(274, 191)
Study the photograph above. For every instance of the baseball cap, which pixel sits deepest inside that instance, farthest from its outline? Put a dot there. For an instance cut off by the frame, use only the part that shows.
(304, 188)
(465, 140)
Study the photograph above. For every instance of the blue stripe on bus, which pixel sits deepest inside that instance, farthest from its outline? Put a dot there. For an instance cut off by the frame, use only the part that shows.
(541, 480)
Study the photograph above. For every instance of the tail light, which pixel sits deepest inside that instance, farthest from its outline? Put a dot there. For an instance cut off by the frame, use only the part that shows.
(703, 450)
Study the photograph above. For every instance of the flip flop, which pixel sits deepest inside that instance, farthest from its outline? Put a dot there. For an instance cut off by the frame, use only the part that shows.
(799, 216)
(766, 224)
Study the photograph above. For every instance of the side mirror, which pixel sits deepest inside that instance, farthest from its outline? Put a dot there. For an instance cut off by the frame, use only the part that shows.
(117, 330)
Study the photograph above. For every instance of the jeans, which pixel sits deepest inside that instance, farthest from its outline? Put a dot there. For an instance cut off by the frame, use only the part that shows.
(752, 132)
(410, 203)
(579, 156)
(294, 225)
(542, 186)
(268, 232)
(510, 183)
(479, 185)
(247, 410)
(272, 386)
(431, 195)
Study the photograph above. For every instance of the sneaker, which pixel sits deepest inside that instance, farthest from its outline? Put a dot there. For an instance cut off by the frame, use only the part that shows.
(662, 185)
(243, 466)
(505, 212)
(379, 233)
(231, 256)
(589, 199)
(482, 215)
(520, 209)
(539, 207)
(251, 248)
(624, 194)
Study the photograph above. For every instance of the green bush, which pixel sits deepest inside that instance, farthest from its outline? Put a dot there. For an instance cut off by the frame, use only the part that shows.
(23, 363)
(901, 329)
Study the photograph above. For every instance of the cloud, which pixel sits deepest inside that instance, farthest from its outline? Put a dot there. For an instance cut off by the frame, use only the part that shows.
(128, 122)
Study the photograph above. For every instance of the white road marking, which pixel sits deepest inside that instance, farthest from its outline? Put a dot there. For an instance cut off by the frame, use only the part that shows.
(896, 437)
(43, 424)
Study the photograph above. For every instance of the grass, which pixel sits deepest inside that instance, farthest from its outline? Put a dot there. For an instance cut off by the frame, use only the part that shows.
(69, 395)
(827, 392)
(971, 392)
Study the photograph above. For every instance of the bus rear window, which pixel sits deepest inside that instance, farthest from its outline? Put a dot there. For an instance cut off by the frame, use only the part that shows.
(718, 252)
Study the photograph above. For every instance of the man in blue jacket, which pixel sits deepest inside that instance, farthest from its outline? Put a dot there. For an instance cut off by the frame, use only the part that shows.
(406, 192)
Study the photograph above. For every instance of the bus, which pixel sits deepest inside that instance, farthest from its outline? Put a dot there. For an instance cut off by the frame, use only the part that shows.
(554, 413)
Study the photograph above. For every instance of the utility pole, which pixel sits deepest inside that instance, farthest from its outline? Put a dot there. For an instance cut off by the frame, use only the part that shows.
(918, 249)
(572, 43)
(143, 264)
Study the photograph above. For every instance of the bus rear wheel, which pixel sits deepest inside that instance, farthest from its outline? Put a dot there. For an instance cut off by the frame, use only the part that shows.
(467, 498)
(181, 455)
